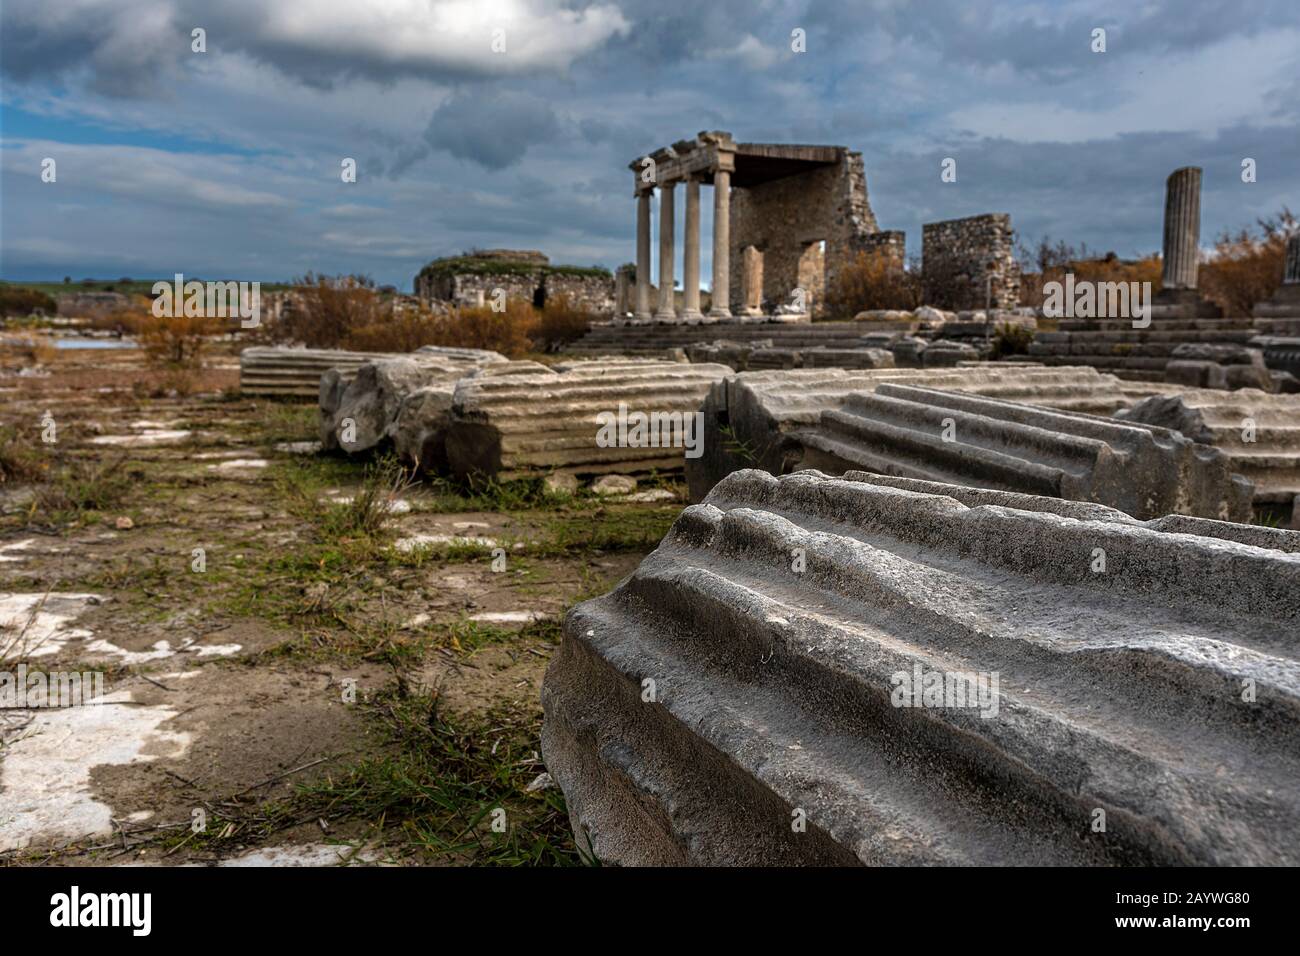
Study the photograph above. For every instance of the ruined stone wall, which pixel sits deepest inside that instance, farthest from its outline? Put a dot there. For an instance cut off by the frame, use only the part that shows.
(787, 218)
(472, 290)
(892, 242)
(957, 256)
(589, 293)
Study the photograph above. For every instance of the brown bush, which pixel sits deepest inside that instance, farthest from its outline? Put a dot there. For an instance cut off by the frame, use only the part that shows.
(22, 301)
(1108, 268)
(396, 330)
(177, 341)
(874, 280)
(331, 308)
(561, 323)
(510, 332)
(1246, 268)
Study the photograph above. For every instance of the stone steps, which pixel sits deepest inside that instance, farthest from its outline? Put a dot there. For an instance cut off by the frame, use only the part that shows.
(775, 692)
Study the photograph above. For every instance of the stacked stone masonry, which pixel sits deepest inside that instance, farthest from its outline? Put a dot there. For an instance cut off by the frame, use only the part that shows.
(970, 263)
(513, 426)
(727, 692)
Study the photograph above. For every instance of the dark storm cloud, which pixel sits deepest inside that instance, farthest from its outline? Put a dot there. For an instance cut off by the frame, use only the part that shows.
(493, 129)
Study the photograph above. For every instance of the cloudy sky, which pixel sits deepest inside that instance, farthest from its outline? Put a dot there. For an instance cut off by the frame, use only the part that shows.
(226, 163)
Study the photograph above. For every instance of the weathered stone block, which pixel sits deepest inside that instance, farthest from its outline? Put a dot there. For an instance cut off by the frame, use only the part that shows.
(748, 418)
(915, 432)
(514, 426)
(1260, 433)
(744, 696)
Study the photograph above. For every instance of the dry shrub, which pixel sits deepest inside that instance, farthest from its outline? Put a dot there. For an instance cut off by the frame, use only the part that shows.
(874, 280)
(396, 330)
(22, 301)
(330, 309)
(1109, 269)
(510, 332)
(32, 348)
(561, 323)
(1246, 268)
(176, 341)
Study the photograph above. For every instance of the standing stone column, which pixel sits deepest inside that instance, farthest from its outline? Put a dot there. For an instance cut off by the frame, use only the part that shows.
(667, 308)
(1182, 243)
(1287, 297)
(721, 307)
(643, 254)
(691, 254)
(752, 273)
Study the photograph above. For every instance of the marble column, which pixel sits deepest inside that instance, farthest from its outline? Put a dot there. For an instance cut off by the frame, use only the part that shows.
(667, 307)
(1291, 274)
(721, 308)
(691, 253)
(1182, 242)
(643, 254)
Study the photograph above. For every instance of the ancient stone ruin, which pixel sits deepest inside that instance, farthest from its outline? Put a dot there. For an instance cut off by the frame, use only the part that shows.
(971, 263)
(863, 670)
(1259, 433)
(1182, 245)
(785, 218)
(521, 425)
(482, 276)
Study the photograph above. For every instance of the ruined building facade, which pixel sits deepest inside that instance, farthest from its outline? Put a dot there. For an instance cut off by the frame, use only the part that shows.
(787, 219)
(474, 278)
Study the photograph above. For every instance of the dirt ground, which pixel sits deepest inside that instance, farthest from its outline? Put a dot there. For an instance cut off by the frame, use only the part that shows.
(304, 661)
